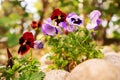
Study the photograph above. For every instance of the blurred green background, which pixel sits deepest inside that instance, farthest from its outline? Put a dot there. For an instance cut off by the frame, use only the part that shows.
(17, 15)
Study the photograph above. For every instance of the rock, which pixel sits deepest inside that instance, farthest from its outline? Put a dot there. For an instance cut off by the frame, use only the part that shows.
(45, 60)
(107, 50)
(113, 58)
(94, 69)
(56, 75)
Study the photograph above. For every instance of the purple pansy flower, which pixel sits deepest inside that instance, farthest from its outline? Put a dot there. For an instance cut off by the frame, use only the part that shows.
(95, 21)
(48, 28)
(73, 19)
(38, 44)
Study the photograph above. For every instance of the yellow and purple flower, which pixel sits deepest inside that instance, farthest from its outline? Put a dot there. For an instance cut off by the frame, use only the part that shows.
(73, 19)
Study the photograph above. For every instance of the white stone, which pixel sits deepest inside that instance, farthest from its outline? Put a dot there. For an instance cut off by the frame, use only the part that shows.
(44, 60)
(56, 75)
(94, 69)
(113, 58)
(107, 50)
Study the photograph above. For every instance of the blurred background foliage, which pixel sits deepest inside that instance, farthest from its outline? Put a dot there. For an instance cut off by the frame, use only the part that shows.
(17, 15)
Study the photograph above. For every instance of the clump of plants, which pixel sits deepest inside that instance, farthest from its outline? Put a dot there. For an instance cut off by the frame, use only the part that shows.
(24, 68)
(69, 41)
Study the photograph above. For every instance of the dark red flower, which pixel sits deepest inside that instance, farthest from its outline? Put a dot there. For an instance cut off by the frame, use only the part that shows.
(26, 42)
(10, 61)
(36, 24)
(58, 16)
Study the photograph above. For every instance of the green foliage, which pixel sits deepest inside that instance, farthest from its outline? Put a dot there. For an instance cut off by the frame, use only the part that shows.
(13, 39)
(11, 17)
(116, 35)
(31, 76)
(73, 47)
(24, 68)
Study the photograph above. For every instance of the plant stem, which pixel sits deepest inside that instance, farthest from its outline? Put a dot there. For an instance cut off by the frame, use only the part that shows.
(30, 55)
(86, 38)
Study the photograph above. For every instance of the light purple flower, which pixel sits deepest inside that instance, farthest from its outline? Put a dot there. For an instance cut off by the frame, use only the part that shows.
(73, 19)
(69, 28)
(94, 15)
(38, 44)
(48, 28)
(95, 21)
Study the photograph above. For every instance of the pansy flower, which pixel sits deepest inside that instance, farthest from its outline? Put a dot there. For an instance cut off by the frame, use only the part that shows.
(38, 44)
(73, 19)
(10, 61)
(48, 28)
(95, 21)
(36, 24)
(26, 42)
(58, 16)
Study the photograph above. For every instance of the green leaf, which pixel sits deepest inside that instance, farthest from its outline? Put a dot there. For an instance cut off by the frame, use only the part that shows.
(31, 76)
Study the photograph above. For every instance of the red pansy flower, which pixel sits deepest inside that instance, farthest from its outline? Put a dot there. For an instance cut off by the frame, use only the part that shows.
(58, 16)
(26, 42)
(10, 61)
(36, 24)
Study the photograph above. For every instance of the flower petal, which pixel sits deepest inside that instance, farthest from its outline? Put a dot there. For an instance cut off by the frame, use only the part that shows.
(28, 35)
(73, 19)
(91, 26)
(21, 40)
(95, 14)
(58, 16)
(48, 29)
(34, 24)
(27, 38)
(23, 49)
(38, 44)
(63, 24)
(95, 21)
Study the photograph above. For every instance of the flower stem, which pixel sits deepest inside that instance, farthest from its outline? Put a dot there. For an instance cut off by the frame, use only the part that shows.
(30, 55)
(86, 38)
